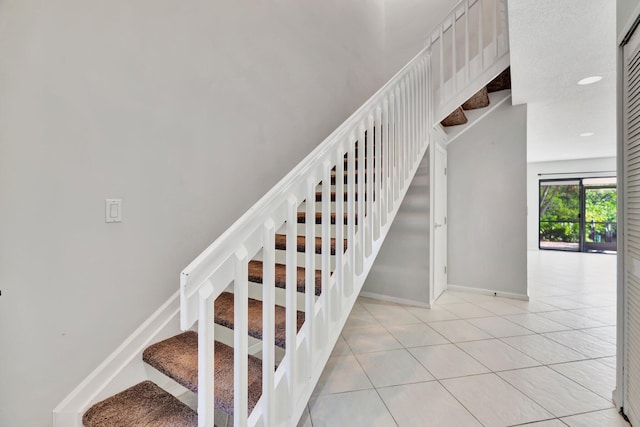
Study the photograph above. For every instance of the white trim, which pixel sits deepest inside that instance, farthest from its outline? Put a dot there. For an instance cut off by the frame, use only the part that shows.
(475, 116)
(619, 392)
(102, 383)
(404, 301)
(493, 293)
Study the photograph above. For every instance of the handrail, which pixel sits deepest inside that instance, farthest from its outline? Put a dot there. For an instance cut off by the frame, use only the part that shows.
(196, 270)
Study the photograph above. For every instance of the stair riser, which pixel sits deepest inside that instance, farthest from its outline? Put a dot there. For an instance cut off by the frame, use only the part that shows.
(300, 259)
(225, 335)
(318, 207)
(255, 292)
(318, 230)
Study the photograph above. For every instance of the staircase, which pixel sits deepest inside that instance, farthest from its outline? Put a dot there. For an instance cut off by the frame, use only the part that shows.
(479, 100)
(258, 312)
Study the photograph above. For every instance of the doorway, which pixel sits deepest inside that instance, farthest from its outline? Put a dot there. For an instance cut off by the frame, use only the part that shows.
(578, 215)
(440, 222)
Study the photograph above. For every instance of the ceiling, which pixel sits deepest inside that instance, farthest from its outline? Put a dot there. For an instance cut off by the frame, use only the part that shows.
(554, 44)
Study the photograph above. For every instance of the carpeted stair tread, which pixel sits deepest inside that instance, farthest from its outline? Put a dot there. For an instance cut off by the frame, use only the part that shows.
(177, 357)
(479, 100)
(302, 218)
(501, 82)
(224, 315)
(454, 119)
(143, 405)
(281, 244)
(255, 275)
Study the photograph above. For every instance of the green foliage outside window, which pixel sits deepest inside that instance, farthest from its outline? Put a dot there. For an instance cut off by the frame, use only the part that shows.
(560, 213)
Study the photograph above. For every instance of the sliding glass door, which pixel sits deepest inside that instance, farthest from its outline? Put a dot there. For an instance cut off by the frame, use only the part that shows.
(578, 215)
(560, 215)
(600, 214)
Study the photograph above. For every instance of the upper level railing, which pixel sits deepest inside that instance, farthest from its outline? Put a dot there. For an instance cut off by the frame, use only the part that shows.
(469, 48)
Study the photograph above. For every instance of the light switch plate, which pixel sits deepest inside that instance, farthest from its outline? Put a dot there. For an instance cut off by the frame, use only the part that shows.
(113, 210)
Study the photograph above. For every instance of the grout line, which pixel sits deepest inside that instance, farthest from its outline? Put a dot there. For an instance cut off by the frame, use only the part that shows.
(387, 327)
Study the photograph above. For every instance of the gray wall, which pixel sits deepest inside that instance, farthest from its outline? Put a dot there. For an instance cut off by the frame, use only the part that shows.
(487, 240)
(401, 270)
(189, 112)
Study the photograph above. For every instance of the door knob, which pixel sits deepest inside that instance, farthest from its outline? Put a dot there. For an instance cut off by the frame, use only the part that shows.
(437, 225)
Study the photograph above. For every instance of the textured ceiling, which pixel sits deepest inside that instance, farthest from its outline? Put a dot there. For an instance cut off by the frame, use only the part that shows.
(555, 43)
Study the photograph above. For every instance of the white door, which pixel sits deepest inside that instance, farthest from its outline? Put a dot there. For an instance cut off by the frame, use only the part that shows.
(629, 323)
(440, 222)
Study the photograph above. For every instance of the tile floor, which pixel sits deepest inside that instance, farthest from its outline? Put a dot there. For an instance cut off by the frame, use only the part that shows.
(477, 360)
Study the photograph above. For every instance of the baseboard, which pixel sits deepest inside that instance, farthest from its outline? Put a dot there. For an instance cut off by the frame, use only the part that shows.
(494, 293)
(123, 368)
(394, 299)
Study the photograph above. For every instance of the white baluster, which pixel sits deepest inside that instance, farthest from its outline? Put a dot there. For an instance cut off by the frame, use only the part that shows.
(466, 43)
(384, 199)
(369, 171)
(414, 116)
(360, 248)
(454, 55)
(292, 295)
(310, 268)
(397, 135)
(480, 7)
(339, 236)
(442, 80)
(206, 356)
(495, 28)
(379, 172)
(240, 338)
(351, 213)
(268, 321)
(405, 132)
(325, 257)
(423, 102)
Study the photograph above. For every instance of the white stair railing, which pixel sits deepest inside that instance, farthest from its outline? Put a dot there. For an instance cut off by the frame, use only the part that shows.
(469, 48)
(466, 51)
(388, 137)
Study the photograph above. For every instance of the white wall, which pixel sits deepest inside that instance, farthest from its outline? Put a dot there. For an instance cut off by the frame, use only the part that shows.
(408, 24)
(558, 167)
(487, 204)
(401, 270)
(189, 112)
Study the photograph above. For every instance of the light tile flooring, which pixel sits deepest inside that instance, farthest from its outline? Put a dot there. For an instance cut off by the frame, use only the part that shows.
(477, 360)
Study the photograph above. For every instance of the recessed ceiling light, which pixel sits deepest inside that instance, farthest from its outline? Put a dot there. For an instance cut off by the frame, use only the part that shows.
(587, 134)
(590, 80)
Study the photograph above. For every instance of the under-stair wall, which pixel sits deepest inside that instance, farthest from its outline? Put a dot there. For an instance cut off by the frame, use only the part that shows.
(401, 270)
(487, 192)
